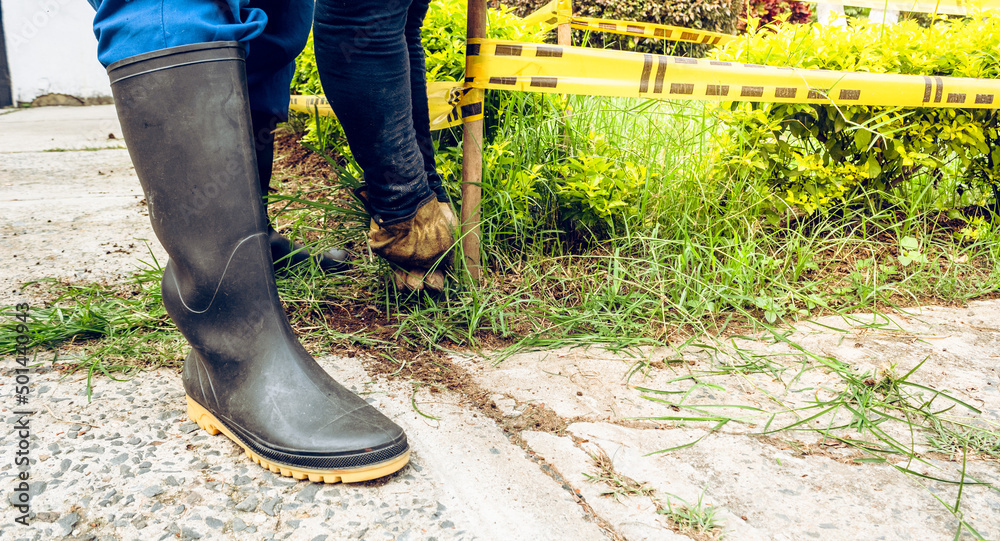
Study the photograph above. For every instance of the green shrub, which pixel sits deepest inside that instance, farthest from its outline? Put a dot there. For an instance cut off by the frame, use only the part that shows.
(780, 11)
(815, 156)
(594, 192)
(598, 192)
(715, 15)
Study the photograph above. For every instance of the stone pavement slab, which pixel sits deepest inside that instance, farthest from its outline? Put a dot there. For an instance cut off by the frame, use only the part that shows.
(129, 464)
(69, 215)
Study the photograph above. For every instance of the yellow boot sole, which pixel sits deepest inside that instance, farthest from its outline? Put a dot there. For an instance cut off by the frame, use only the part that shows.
(212, 425)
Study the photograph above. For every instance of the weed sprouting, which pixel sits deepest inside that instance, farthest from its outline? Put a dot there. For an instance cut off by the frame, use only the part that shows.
(885, 417)
(619, 485)
(957, 438)
(697, 521)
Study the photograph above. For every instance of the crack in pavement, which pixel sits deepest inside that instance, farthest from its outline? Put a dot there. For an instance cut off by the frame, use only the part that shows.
(532, 416)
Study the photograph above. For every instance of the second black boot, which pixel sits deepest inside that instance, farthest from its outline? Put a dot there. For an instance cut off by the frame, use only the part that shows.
(286, 253)
(186, 123)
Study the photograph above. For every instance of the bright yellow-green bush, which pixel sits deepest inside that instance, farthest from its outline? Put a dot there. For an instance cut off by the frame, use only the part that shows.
(816, 155)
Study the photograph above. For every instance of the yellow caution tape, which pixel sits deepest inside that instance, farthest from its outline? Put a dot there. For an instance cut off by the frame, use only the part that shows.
(561, 11)
(508, 65)
(449, 103)
(944, 7)
(554, 13)
(649, 30)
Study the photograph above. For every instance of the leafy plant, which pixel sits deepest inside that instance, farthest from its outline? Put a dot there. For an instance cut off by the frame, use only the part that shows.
(777, 11)
(816, 156)
(598, 195)
(909, 252)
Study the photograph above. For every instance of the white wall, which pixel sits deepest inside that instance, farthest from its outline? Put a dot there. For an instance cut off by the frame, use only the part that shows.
(51, 48)
(827, 13)
(830, 14)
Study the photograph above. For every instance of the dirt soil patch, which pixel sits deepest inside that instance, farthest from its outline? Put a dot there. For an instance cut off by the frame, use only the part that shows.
(291, 159)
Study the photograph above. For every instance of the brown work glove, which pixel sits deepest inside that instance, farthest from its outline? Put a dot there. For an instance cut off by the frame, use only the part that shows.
(416, 245)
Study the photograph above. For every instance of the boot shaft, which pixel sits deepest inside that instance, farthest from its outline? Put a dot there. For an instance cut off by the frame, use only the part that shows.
(185, 116)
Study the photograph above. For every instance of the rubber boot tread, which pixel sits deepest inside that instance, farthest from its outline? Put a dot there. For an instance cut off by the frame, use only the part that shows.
(208, 422)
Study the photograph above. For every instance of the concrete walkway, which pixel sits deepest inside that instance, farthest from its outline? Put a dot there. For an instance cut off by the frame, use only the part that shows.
(128, 464)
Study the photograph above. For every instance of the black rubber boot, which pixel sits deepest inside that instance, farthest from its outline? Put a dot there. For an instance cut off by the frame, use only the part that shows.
(285, 253)
(186, 122)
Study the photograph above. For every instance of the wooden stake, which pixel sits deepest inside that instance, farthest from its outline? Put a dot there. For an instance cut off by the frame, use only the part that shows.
(564, 36)
(472, 162)
(564, 33)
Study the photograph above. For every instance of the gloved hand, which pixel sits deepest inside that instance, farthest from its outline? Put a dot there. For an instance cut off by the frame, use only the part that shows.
(416, 246)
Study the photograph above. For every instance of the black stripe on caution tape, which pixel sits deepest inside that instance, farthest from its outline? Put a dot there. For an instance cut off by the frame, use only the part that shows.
(717, 90)
(647, 68)
(472, 109)
(935, 86)
(311, 101)
(682, 88)
(544, 82)
(846, 94)
(661, 71)
(548, 51)
(455, 95)
(785, 92)
(509, 50)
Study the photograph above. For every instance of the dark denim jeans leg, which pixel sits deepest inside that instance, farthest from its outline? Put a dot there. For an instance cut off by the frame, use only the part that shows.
(418, 92)
(364, 65)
